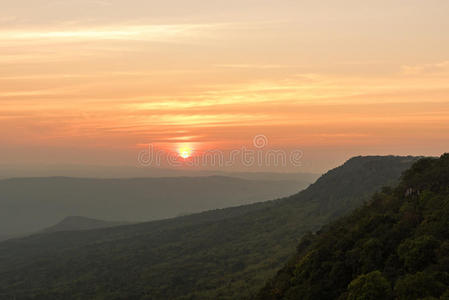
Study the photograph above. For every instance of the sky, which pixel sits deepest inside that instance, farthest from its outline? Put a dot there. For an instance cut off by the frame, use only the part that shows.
(96, 82)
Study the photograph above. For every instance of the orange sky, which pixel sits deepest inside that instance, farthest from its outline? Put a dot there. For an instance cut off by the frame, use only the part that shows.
(94, 81)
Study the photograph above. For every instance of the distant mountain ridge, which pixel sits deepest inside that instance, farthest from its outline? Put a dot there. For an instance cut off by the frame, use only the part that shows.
(31, 204)
(220, 254)
(4, 237)
(116, 172)
(73, 223)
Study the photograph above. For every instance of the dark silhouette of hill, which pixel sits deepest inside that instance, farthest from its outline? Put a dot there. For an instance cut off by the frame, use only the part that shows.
(220, 254)
(395, 247)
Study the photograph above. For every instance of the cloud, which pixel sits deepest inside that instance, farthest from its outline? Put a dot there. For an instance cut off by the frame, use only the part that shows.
(441, 68)
(252, 66)
(102, 2)
(133, 32)
(7, 19)
(80, 3)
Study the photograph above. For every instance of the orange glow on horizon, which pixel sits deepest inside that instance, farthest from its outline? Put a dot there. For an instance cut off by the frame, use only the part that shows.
(192, 80)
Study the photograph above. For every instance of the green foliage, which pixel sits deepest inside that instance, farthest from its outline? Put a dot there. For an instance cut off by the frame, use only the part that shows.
(222, 254)
(445, 295)
(399, 240)
(417, 253)
(419, 285)
(371, 286)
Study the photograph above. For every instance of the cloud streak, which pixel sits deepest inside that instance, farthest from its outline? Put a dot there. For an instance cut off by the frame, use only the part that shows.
(441, 68)
(114, 74)
(136, 32)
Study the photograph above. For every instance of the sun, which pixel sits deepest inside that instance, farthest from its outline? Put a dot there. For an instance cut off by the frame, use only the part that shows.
(185, 152)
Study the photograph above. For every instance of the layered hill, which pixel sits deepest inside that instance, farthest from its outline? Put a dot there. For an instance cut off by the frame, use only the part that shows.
(31, 204)
(113, 172)
(4, 237)
(395, 247)
(74, 223)
(220, 254)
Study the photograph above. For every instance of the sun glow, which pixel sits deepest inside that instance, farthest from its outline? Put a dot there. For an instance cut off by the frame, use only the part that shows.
(185, 152)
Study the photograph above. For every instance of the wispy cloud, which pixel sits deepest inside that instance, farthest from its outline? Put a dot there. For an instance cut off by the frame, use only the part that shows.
(252, 66)
(125, 32)
(440, 68)
(7, 19)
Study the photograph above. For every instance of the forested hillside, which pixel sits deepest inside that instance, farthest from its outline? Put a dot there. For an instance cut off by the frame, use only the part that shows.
(221, 254)
(395, 247)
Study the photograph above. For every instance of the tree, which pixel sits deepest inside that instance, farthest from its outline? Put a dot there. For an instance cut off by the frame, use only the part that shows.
(418, 253)
(419, 285)
(371, 286)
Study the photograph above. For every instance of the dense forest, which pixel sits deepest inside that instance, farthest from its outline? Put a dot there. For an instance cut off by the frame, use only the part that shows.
(395, 247)
(221, 254)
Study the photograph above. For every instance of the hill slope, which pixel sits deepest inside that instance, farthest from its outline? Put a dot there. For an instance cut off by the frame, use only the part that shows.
(221, 254)
(396, 247)
(31, 204)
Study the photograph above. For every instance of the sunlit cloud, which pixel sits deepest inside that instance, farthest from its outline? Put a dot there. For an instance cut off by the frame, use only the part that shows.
(441, 68)
(254, 66)
(7, 19)
(143, 32)
(219, 75)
